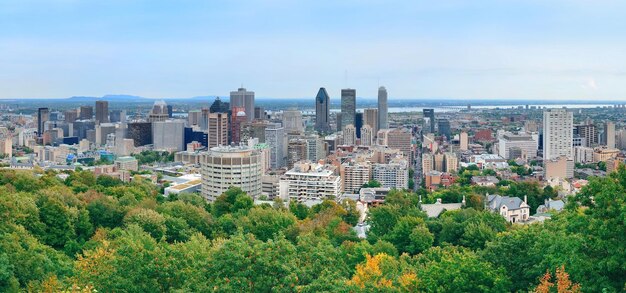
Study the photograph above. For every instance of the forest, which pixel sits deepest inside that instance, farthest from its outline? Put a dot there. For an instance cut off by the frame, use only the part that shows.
(74, 232)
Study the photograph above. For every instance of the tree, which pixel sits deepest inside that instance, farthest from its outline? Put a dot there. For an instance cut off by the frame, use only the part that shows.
(149, 220)
(232, 201)
(299, 210)
(372, 184)
(57, 219)
(266, 223)
(105, 211)
(384, 273)
(410, 235)
(563, 283)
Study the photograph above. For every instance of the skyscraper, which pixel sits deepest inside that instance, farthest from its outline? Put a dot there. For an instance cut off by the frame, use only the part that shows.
(370, 117)
(557, 134)
(382, 109)
(219, 107)
(430, 114)
(609, 134)
(348, 107)
(102, 112)
(159, 112)
(275, 139)
(322, 101)
(292, 121)
(444, 127)
(43, 115)
(86, 112)
(217, 128)
(349, 135)
(245, 99)
(237, 118)
(358, 120)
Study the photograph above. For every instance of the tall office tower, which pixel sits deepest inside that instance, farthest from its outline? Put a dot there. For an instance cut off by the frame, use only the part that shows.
(217, 128)
(86, 112)
(297, 150)
(292, 121)
(348, 107)
(219, 107)
(117, 116)
(370, 117)
(589, 133)
(621, 139)
(609, 134)
(430, 114)
(102, 112)
(358, 119)
(443, 125)
(339, 122)
(243, 98)
(43, 115)
(452, 162)
(204, 119)
(349, 135)
(275, 139)
(159, 112)
(557, 134)
(71, 116)
(223, 167)
(367, 135)
(463, 141)
(102, 132)
(382, 109)
(139, 132)
(194, 117)
(169, 135)
(170, 111)
(237, 118)
(322, 111)
(259, 113)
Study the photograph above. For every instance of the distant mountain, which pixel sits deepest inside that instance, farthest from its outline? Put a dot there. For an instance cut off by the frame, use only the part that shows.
(110, 98)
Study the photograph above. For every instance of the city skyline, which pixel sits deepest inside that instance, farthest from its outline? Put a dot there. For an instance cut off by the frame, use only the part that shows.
(449, 49)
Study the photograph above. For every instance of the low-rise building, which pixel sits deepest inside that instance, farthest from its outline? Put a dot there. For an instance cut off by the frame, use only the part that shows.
(513, 209)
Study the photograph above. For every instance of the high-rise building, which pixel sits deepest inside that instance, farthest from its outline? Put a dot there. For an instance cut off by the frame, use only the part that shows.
(217, 128)
(367, 135)
(358, 119)
(225, 166)
(348, 107)
(170, 111)
(430, 114)
(245, 99)
(394, 175)
(589, 133)
(169, 135)
(102, 112)
(297, 150)
(354, 175)
(463, 141)
(443, 125)
(292, 121)
(237, 118)
(275, 139)
(117, 116)
(452, 162)
(71, 115)
(86, 112)
(609, 135)
(316, 147)
(401, 139)
(194, 117)
(526, 142)
(339, 121)
(370, 117)
(219, 107)
(43, 115)
(259, 113)
(204, 119)
(382, 109)
(439, 162)
(139, 132)
(159, 112)
(557, 134)
(349, 135)
(322, 111)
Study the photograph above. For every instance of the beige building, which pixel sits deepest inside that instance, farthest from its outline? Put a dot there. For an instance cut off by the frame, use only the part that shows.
(394, 175)
(127, 163)
(354, 175)
(217, 129)
(602, 154)
(428, 163)
(440, 162)
(452, 162)
(561, 167)
(370, 117)
(224, 167)
(297, 150)
(463, 141)
(367, 135)
(349, 135)
(401, 139)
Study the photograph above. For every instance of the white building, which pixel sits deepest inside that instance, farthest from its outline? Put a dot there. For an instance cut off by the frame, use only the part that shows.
(526, 142)
(583, 155)
(367, 135)
(394, 175)
(168, 135)
(309, 182)
(223, 167)
(557, 134)
(275, 139)
(349, 135)
(513, 209)
(292, 121)
(316, 147)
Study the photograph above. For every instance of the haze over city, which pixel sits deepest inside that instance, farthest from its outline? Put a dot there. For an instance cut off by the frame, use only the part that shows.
(548, 50)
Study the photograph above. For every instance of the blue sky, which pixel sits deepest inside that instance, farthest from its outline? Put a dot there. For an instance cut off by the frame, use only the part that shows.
(508, 49)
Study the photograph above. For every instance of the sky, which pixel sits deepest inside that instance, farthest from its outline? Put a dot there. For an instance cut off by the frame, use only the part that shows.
(449, 49)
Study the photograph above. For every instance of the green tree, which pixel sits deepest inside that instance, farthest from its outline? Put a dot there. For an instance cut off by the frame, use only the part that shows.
(266, 223)
(232, 201)
(149, 220)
